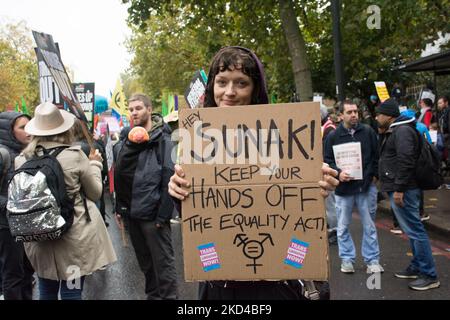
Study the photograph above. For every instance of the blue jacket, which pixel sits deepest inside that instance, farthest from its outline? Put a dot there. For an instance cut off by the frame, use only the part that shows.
(369, 149)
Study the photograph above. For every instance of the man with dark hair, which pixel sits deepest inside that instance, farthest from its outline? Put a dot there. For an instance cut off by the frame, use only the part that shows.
(352, 191)
(142, 173)
(16, 270)
(399, 151)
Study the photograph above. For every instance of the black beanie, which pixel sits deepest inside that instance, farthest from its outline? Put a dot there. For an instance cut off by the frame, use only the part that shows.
(389, 108)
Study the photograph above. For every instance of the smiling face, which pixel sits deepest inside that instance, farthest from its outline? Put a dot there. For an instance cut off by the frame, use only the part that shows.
(233, 88)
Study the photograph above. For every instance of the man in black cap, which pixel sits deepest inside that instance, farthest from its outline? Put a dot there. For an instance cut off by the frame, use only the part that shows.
(399, 151)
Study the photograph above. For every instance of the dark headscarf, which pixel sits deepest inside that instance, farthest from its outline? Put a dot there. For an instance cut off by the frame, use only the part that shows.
(257, 74)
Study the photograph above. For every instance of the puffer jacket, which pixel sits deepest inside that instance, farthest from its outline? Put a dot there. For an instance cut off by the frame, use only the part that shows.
(9, 142)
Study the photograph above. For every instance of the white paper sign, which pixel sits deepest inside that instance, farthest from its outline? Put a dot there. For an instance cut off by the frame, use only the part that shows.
(433, 135)
(348, 158)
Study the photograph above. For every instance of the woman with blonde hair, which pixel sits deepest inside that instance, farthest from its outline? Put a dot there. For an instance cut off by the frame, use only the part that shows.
(62, 264)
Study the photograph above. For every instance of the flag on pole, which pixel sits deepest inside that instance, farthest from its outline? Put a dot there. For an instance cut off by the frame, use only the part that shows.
(164, 106)
(24, 107)
(118, 101)
(171, 104)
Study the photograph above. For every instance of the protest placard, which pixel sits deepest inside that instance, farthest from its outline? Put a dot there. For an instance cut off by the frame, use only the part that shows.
(195, 93)
(254, 210)
(348, 158)
(85, 93)
(382, 91)
(48, 90)
(50, 54)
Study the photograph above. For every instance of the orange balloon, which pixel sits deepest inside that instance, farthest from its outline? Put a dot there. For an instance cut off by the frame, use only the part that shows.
(138, 135)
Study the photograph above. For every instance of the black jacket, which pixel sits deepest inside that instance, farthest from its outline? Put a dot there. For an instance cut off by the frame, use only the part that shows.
(399, 150)
(142, 173)
(369, 149)
(9, 142)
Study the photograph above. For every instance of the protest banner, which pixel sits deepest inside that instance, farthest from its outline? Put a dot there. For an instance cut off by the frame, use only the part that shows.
(254, 210)
(195, 93)
(382, 90)
(48, 90)
(348, 158)
(51, 56)
(85, 93)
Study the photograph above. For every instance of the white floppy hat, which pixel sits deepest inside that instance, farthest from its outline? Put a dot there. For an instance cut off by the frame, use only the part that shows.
(49, 120)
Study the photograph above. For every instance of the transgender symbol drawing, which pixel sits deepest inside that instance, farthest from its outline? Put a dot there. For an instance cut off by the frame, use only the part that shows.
(252, 249)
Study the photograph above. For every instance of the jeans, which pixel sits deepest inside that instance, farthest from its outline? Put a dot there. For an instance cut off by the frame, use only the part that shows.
(373, 197)
(330, 206)
(70, 290)
(409, 220)
(369, 249)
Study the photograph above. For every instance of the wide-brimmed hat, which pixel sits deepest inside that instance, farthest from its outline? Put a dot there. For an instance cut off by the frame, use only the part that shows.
(49, 120)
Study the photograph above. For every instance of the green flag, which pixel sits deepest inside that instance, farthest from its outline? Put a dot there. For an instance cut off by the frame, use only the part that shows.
(171, 104)
(24, 107)
(164, 108)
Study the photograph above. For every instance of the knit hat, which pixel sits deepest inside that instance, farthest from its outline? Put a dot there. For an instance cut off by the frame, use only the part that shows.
(389, 108)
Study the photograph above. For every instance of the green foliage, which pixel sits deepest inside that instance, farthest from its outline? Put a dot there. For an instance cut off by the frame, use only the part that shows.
(18, 68)
(173, 39)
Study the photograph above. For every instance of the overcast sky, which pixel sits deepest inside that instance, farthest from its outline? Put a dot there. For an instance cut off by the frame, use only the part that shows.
(90, 33)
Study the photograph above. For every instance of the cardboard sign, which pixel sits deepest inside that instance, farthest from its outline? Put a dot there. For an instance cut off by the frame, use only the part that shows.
(382, 91)
(254, 211)
(50, 53)
(348, 158)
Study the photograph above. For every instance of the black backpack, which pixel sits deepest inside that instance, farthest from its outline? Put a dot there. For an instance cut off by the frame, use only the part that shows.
(38, 206)
(428, 166)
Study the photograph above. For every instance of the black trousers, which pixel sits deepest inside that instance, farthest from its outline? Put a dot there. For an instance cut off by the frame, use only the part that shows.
(154, 252)
(17, 272)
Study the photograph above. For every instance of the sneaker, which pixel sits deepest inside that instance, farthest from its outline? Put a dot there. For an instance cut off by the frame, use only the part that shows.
(425, 217)
(424, 283)
(407, 274)
(347, 267)
(396, 231)
(374, 268)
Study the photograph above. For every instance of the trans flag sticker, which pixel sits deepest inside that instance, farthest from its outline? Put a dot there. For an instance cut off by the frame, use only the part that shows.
(296, 253)
(209, 257)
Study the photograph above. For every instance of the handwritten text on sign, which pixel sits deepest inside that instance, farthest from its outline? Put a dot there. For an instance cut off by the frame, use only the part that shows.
(253, 172)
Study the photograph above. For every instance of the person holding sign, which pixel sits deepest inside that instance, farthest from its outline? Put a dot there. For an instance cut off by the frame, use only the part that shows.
(353, 151)
(236, 78)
